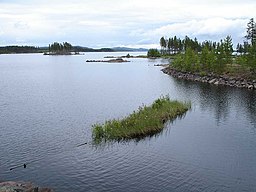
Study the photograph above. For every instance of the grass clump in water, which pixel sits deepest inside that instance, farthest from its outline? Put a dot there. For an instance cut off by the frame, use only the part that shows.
(147, 121)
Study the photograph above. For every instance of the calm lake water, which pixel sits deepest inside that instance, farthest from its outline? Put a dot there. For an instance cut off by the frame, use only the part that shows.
(49, 103)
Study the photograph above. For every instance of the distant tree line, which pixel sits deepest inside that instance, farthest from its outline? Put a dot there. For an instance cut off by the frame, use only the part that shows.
(54, 48)
(209, 56)
(19, 49)
(176, 45)
(87, 49)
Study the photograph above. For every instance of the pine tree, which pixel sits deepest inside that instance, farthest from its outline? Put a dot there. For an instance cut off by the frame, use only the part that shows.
(251, 31)
(163, 45)
(169, 45)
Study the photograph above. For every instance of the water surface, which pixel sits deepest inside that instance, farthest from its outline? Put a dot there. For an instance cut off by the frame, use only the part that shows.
(49, 103)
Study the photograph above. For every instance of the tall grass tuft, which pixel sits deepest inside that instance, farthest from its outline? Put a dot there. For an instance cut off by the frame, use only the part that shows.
(146, 121)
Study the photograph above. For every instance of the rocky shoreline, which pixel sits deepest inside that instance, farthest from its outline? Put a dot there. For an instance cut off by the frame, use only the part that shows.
(11, 186)
(212, 78)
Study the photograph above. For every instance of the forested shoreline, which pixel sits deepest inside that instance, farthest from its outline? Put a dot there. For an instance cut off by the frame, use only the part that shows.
(208, 57)
(32, 49)
(21, 49)
(15, 49)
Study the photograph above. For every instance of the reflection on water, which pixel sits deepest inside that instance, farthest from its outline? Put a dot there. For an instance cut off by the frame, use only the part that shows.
(221, 99)
(49, 104)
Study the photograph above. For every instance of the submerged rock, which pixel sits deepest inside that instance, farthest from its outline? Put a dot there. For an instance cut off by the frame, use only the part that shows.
(11, 186)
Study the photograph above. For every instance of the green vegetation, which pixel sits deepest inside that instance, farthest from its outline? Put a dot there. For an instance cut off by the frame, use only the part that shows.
(210, 59)
(66, 49)
(147, 121)
(60, 49)
(213, 57)
(153, 53)
(20, 49)
(51, 49)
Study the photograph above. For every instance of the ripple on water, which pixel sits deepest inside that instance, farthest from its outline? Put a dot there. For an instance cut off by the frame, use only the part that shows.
(48, 104)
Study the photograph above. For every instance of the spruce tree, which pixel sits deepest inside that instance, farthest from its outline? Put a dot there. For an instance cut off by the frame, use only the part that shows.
(228, 49)
(251, 31)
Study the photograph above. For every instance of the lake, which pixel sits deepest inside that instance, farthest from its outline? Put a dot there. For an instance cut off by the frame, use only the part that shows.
(48, 105)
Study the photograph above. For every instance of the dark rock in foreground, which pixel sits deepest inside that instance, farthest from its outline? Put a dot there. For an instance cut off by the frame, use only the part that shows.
(212, 78)
(11, 186)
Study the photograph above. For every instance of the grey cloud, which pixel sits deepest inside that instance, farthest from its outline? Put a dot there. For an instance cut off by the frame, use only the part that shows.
(97, 22)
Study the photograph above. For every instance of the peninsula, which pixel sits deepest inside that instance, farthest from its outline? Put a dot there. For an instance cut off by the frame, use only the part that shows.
(212, 62)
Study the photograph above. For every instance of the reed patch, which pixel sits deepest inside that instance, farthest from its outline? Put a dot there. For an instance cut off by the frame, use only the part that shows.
(146, 121)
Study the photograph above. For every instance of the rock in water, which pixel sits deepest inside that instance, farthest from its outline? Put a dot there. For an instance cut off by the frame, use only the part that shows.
(11, 186)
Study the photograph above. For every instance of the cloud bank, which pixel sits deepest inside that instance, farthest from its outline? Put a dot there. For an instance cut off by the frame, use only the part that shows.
(110, 23)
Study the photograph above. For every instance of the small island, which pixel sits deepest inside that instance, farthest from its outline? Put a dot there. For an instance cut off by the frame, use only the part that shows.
(147, 121)
(60, 49)
(117, 60)
(128, 56)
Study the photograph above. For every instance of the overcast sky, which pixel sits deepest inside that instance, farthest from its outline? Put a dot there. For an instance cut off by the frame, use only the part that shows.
(109, 23)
